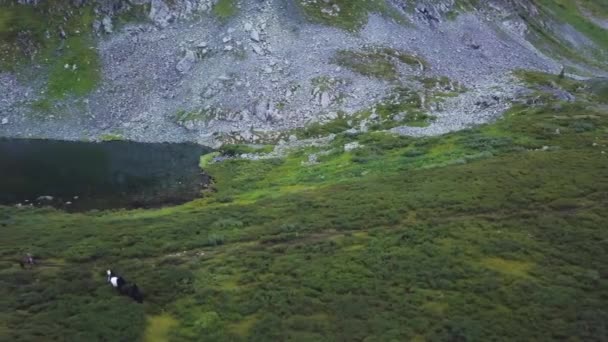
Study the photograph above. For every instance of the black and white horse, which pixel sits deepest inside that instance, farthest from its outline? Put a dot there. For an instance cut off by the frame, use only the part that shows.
(123, 287)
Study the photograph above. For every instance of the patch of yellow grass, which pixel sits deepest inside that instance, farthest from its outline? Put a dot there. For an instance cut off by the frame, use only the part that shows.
(418, 338)
(158, 328)
(352, 248)
(508, 267)
(437, 308)
(243, 327)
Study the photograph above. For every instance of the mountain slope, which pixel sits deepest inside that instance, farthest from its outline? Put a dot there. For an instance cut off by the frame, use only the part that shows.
(247, 71)
(492, 233)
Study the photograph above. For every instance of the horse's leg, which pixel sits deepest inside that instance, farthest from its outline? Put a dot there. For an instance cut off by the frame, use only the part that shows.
(136, 294)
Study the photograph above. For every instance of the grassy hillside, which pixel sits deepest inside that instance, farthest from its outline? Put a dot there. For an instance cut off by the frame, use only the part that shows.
(56, 35)
(552, 30)
(495, 233)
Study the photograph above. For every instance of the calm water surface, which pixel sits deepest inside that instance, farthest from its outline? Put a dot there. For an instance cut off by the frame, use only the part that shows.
(80, 176)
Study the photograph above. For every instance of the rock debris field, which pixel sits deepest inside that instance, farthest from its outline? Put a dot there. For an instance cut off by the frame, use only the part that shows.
(267, 70)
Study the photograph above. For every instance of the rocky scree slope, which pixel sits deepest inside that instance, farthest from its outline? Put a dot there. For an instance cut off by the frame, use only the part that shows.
(251, 71)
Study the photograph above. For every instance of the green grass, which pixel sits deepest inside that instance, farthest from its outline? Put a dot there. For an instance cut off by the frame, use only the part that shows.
(367, 64)
(111, 137)
(536, 79)
(401, 107)
(481, 235)
(65, 81)
(158, 328)
(461, 6)
(206, 159)
(135, 14)
(599, 87)
(568, 11)
(598, 8)
(378, 62)
(224, 9)
(238, 149)
(70, 67)
(23, 39)
(183, 117)
(352, 15)
(442, 83)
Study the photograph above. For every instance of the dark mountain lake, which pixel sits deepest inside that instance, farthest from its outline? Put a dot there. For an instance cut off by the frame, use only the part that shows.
(78, 176)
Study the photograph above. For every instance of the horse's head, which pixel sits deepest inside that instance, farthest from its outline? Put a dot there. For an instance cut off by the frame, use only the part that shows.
(109, 272)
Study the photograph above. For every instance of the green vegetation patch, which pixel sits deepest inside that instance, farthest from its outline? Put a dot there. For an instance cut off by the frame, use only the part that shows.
(75, 72)
(461, 6)
(403, 106)
(378, 62)
(443, 83)
(348, 14)
(33, 33)
(200, 115)
(158, 328)
(238, 149)
(318, 129)
(112, 137)
(598, 8)
(569, 11)
(207, 158)
(599, 87)
(224, 9)
(537, 78)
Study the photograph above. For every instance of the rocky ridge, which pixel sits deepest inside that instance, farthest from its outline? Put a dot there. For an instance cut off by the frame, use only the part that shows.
(186, 76)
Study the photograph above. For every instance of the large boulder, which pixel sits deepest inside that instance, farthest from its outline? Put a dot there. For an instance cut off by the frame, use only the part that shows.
(186, 63)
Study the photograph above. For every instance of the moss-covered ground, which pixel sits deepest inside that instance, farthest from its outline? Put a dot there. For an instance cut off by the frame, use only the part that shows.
(224, 9)
(348, 14)
(378, 62)
(34, 34)
(495, 233)
(56, 36)
(574, 13)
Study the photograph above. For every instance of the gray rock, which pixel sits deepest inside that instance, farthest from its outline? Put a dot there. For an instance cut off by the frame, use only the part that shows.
(5, 121)
(187, 62)
(260, 110)
(257, 49)
(160, 13)
(255, 36)
(325, 99)
(107, 24)
(96, 26)
(351, 146)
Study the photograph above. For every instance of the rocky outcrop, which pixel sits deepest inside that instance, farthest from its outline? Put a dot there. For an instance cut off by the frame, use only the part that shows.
(266, 71)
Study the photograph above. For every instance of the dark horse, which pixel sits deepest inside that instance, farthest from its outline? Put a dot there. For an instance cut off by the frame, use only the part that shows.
(28, 260)
(124, 288)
